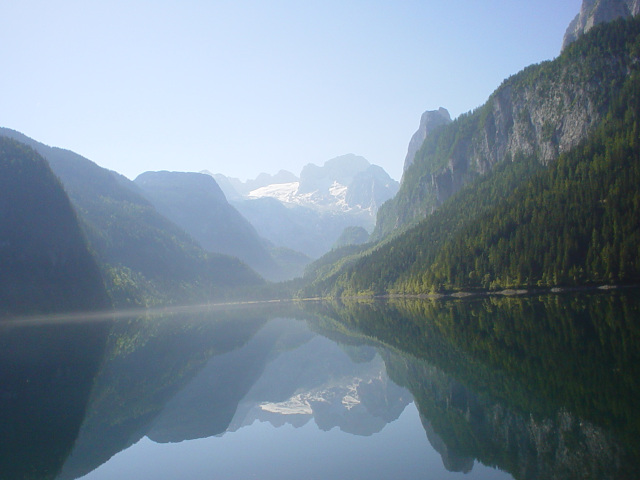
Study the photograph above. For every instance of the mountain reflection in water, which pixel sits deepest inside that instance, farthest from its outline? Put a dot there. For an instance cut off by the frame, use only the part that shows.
(536, 387)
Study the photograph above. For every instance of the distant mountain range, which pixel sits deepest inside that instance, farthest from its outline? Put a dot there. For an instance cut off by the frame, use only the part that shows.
(309, 213)
(172, 236)
(196, 203)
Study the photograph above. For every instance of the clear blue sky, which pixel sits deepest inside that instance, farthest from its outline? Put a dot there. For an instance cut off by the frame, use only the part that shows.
(241, 87)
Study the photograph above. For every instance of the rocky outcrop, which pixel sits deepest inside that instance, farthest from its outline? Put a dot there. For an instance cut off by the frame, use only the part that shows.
(430, 120)
(594, 12)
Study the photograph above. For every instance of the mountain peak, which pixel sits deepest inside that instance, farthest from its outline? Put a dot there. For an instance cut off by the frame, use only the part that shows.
(340, 169)
(164, 180)
(430, 120)
(594, 12)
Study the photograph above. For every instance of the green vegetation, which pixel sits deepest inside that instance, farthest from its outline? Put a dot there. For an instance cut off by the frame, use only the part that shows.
(540, 111)
(46, 376)
(144, 258)
(352, 236)
(573, 222)
(45, 265)
(485, 371)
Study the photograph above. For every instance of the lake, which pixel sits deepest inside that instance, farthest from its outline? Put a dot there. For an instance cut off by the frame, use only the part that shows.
(483, 388)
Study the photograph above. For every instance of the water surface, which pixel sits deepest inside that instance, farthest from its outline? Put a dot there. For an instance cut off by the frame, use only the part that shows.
(488, 388)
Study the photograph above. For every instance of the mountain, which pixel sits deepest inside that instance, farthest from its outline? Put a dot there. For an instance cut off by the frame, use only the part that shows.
(309, 213)
(144, 258)
(430, 120)
(352, 236)
(341, 170)
(343, 184)
(369, 189)
(533, 219)
(294, 227)
(45, 263)
(234, 188)
(196, 203)
(594, 12)
(545, 110)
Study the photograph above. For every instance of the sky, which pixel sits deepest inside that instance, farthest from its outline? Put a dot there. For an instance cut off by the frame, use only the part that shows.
(243, 87)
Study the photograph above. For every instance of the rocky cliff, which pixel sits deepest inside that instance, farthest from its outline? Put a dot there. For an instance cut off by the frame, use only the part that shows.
(594, 12)
(542, 111)
(430, 120)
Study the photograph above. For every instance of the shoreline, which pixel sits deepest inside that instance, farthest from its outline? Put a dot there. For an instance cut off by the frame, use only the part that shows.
(509, 292)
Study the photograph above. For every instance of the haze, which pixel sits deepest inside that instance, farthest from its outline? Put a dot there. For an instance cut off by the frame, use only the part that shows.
(244, 87)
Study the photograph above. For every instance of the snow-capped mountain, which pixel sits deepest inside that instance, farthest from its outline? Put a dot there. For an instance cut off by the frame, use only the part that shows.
(311, 211)
(290, 193)
(348, 183)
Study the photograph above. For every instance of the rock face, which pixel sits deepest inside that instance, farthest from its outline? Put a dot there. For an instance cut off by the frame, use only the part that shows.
(542, 111)
(430, 120)
(594, 12)
(340, 170)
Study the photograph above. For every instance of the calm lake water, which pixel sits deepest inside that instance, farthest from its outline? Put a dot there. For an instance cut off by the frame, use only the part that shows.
(487, 388)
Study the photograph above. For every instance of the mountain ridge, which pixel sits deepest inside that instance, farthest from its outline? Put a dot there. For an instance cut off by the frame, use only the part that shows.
(144, 258)
(543, 110)
(196, 203)
(45, 262)
(309, 213)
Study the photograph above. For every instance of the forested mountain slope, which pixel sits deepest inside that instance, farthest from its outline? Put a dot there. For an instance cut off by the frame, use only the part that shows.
(195, 202)
(145, 259)
(531, 221)
(45, 265)
(543, 111)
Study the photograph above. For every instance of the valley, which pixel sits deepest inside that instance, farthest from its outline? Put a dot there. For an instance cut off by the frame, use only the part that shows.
(477, 318)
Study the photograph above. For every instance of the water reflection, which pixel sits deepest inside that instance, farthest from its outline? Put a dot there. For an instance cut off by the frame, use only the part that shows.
(45, 383)
(538, 387)
(542, 387)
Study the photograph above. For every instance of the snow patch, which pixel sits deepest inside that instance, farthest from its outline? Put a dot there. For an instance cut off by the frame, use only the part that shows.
(285, 192)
